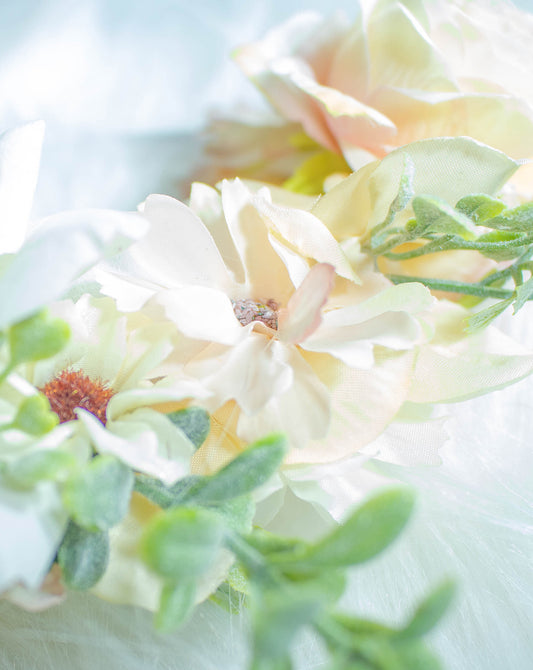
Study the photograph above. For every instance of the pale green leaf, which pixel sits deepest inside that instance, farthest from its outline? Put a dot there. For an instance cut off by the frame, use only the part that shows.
(480, 207)
(481, 319)
(371, 528)
(519, 219)
(430, 611)
(194, 422)
(34, 416)
(37, 337)
(250, 469)
(437, 216)
(98, 497)
(176, 605)
(83, 557)
(182, 543)
(47, 464)
(523, 294)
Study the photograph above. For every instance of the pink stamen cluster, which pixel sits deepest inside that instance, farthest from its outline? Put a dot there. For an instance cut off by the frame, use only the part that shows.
(249, 310)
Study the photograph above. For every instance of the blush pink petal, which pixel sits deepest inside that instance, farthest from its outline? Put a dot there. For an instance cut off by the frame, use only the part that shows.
(304, 311)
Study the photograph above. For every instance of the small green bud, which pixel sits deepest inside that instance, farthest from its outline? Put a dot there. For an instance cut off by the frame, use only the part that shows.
(36, 338)
(35, 416)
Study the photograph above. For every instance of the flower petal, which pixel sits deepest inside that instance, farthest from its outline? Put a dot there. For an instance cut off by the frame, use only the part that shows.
(178, 249)
(20, 154)
(304, 311)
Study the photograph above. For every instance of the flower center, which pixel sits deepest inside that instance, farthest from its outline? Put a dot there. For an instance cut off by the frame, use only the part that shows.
(248, 310)
(70, 389)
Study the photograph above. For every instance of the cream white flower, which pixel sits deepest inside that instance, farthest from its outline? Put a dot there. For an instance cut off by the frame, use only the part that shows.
(99, 385)
(402, 72)
(273, 319)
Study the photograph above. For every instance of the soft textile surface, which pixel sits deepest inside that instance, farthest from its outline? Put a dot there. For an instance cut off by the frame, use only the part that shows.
(474, 518)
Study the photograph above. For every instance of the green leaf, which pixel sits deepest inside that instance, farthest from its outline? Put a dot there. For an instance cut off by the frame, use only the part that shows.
(50, 464)
(437, 216)
(36, 338)
(98, 497)
(237, 513)
(270, 544)
(182, 543)
(501, 245)
(481, 319)
(371, 528)
(250, 469)
(163, 495)
(195, 422)
(480, 207)
(278, 615)
(83, 557)
(261, 663)
(430, 611)
(523, 294)
(34, 416)
(176, 605)
(519, 219)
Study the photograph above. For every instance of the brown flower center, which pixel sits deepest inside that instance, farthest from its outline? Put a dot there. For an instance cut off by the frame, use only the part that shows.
(71, 389)
(248, 310)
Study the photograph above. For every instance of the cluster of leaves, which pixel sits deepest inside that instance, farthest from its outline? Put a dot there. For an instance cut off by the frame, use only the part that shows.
(478, 223)
(287, 583)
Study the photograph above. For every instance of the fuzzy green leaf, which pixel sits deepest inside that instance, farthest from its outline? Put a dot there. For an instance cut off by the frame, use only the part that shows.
(51, 464)
(519, 219)
(176, 605)
(482, 319)
(182, 543)
(98, 497)
(371, 528)
(243, 474)
(83, 557)
(523, 294)
(35, 416)
(36, 338)
(195, 422)
(437, 216)
(163, 495)
(430, 611)
(480, 207)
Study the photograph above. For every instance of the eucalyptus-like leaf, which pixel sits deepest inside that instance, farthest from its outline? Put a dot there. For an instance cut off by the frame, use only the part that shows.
(502, 245)
(249, 470)
(194, 422)
(98, 496)
(176, 605)
(34, 416)
(83, 557)
(480, 207)
(237, 513)
(430, 611)
(371, 528)
(437, 216)
(46, 464)
(38, 337)
(481, 319)
(519, 219)
(278, 615)
(182, 543)
(163, 495)
(524, 292)
(261, 663)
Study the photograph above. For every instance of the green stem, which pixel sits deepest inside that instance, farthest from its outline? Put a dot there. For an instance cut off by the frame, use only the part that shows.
(456, 245)
(481, 291)
(251, 559)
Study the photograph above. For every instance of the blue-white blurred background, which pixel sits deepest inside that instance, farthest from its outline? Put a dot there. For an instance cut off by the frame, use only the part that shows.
(124, 86)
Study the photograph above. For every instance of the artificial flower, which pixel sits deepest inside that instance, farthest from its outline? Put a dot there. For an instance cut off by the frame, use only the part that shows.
(402, 72)
(273, 319)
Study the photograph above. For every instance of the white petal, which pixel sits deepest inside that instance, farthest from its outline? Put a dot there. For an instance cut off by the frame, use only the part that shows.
(62, 248)
(33, 523)
(304, 311)
(251, 372)
(137, 445)
(178, 249)
(20, 154)
(203, 313)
